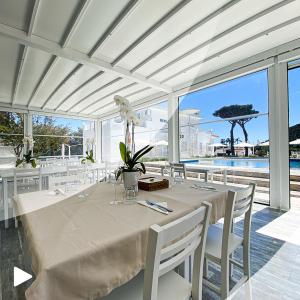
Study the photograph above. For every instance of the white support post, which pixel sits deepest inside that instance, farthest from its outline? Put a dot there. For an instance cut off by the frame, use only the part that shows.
(279, 137)
(98, 140)
(173, 136)
(27, 126)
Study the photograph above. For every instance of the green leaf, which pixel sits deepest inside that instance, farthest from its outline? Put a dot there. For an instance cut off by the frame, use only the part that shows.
(139, 152)
(33, 163)
(123, 151)
(144, 152)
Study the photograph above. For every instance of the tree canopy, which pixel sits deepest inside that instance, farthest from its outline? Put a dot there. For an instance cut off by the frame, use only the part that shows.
(236, 110)
(47, 133)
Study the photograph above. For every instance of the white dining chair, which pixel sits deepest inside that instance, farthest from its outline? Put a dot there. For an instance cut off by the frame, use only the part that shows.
(168, 247)
(222, 242)
(24, 181)
(178, 168)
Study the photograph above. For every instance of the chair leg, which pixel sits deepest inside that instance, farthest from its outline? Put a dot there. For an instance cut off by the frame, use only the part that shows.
(230, 266)
(225, 278)
(205, 268)
(246, 260)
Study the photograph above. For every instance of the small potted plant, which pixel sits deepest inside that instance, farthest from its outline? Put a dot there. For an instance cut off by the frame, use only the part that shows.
(132, 166)
(28, 161)
(89, 159)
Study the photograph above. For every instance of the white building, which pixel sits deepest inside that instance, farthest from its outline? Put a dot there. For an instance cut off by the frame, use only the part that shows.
(153, 130)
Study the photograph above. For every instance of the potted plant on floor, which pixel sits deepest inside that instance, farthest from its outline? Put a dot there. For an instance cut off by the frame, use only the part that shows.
(132, 166)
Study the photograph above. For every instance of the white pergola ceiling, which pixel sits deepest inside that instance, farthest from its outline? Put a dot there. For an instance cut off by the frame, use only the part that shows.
(73, 56)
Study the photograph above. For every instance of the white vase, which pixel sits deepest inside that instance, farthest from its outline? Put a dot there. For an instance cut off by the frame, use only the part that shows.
(130, 179)
(27, 166)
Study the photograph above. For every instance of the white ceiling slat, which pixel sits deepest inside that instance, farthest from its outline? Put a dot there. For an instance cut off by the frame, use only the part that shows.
(160, 22)
(94, 92)
(252, 38)
(137, 92)
(76, 20)
(61, 84)
(24, 52)
(33, 17)
(106, 96)
(114, 25)
(215, 38)
(68, 36)
(55, 49)
(78, 89)
(43, 79)
(19, 72)
(185, 33)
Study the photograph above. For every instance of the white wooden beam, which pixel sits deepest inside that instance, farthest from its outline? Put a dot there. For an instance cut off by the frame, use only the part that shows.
(159, 23)
(129, 8)
(76, 56)
(187, 32)
(228, 49)
(106, 96)
(94, 92)
(24, 51)
(220, 35)
(79, 88)
(37, 110)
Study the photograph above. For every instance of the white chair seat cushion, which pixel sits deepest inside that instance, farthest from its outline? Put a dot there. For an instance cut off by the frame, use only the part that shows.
(214, 242)
(170, 286)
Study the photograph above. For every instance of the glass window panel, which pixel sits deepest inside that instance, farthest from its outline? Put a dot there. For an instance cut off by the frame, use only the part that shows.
(112, 134)
(153, 130)
(51, 133)
(12, 130)
(200, 128)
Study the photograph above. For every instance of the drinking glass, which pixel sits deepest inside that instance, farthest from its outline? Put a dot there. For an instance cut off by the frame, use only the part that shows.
(130, 195)
(114, 182)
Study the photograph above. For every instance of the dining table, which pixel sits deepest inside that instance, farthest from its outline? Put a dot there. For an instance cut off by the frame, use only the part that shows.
(82, 247)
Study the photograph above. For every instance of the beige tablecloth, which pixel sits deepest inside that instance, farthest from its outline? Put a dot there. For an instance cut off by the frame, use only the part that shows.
(82, 248)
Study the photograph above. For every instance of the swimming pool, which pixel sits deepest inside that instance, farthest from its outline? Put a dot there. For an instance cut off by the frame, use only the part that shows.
(241, 162)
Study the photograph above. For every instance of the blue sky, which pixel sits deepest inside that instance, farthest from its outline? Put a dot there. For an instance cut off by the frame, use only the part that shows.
(249, 89)
(294, 96)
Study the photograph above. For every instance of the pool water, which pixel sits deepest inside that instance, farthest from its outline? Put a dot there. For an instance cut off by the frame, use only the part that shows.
(245, 163)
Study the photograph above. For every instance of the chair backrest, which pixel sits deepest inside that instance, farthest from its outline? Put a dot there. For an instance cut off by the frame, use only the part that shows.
(65, 181)
(171, 244)
(178, 168)
(238, 203)
(25, 176)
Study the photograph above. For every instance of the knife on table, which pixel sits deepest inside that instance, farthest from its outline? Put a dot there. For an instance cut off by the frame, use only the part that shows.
(152, 203)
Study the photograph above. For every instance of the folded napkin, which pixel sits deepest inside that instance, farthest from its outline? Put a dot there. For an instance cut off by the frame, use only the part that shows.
(164, 204)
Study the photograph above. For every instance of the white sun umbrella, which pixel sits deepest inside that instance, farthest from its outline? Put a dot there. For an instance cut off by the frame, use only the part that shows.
(244, 145)
(217, 145)
(295, 142)
(161, 143)
(264, 144)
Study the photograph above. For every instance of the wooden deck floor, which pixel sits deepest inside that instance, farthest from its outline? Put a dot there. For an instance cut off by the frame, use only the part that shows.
(275, 258)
